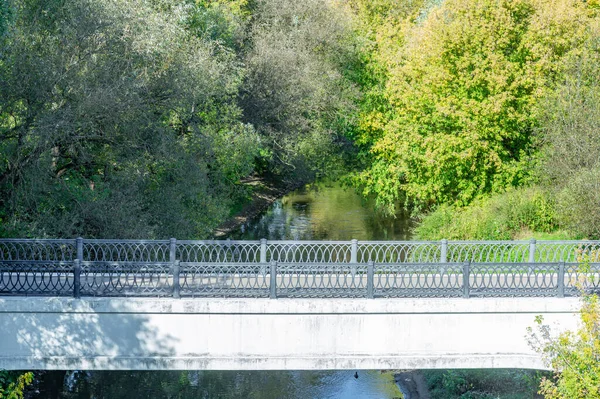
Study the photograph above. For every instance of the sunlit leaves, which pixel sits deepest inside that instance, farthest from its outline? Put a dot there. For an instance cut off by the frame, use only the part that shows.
(465, 86)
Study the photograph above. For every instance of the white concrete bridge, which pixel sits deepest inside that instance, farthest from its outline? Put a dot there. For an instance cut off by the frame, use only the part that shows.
(258, 305)
(267, 334)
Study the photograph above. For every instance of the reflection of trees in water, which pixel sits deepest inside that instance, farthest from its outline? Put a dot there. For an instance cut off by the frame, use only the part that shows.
(326, 212)
(219, 384)
(172, 384)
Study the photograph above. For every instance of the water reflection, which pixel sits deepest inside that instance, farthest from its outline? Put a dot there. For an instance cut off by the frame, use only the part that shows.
(325, 212)
(232, 385)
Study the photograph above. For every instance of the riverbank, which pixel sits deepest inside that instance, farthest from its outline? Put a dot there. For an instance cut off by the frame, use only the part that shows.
(412, 384)
(263, 194)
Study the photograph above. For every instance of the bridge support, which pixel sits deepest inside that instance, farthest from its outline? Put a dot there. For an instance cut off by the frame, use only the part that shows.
(263, 334)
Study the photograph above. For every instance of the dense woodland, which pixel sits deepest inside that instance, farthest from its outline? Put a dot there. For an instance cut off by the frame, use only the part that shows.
(143, 118)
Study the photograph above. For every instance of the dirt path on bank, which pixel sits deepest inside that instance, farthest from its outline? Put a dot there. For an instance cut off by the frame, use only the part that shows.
(412, 384)
(264, 193)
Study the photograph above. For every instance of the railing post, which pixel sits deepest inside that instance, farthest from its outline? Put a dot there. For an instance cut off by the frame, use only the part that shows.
(77, 268)
(79, 243)
(172, 250)
(466, 272)
(370, 279)
(561, 280)
(176, 286)
(532, 250)
(175, 269)
(354, 251)
(444, 251)
(273, 285)
(263, 257)
(353, 256)
(263, 250)
(77, 279)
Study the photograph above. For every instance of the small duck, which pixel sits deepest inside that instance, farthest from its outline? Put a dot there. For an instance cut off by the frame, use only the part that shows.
(356, 374)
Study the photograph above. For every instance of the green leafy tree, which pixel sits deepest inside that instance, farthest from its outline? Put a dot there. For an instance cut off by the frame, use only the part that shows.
(464, 92)
(294, 91)
(12, 384)
(379, 27)
(117, 120)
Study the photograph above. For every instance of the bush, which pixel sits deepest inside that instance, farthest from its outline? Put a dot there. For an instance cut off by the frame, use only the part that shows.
(504, 216)
(481, 384)
(573, 356)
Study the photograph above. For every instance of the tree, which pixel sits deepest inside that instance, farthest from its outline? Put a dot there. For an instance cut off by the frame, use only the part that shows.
(574, 356)
(464, 92)
(294, 91)
(12, 384)
(569, 138)
(117, 121)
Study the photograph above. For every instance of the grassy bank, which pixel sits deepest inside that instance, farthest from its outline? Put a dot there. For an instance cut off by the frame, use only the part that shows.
(517, 214)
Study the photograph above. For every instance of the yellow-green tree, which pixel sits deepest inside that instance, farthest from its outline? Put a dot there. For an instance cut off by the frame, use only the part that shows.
(574, 356)
(13, 383)
(464, 88)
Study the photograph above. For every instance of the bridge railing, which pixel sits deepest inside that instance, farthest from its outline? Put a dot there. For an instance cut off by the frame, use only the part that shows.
(353, 251)
(296, 280)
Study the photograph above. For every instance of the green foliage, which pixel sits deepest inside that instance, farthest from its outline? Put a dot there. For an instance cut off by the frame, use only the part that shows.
(511, 215)
(481, 384)
(570, 142)
(221, 23)
(379, 26)
(140, 118)
(464, 89)
(573, 355)
(294, 92)
(13, 383)
(117, 121)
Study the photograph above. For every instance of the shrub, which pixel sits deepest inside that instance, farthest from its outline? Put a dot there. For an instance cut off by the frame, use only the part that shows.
(501, 217)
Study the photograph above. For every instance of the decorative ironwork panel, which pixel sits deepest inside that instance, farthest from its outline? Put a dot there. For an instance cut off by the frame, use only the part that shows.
(398, 252)
(321, 280)
(37, 250)
(126, 279)
(36, 278)
(309, 251)
(218, 251)
(513, 279)
(416, 280)
(125, 251)
(217, 279)
(488, 251)
(567, 251)
(582, 277)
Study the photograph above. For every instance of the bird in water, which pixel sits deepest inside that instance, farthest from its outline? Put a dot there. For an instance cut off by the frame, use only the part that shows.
(356, 374)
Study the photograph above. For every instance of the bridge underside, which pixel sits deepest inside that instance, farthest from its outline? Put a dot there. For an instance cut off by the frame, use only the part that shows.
(282, 334)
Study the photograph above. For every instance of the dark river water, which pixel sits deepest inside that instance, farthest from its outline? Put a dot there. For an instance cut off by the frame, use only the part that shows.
(228, 384)
(324, 211)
